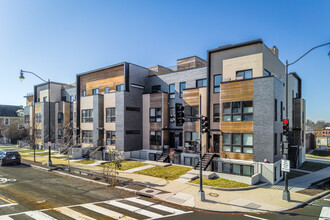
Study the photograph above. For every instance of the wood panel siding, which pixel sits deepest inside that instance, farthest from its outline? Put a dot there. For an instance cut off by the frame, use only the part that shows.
(156, 100)
(100, 75)
(38, 107)
(237, 126)
(191, 97)
(237, 91)
(101, 84)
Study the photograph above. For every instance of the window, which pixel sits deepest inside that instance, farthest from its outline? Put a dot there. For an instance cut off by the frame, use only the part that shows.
(275, 144)
(27, 119)
(133, 109)
(216, 112)
(137, 86)
(71, 98)
(87, 137)
(60, 117)
(83, 93)
(111, 137)
(120, 87)
(155, 138)
(237, 143)
(45, 99)
(245, 74)
(7, 121)
(190, 161)
(237, 111)
(155, 115)
(237, 169)
(217, 81)
(87, 116)
(172, 115)
(133, 132)
(275, 109)
(106, 90)
(281, 111)
(38, 118)
(95, 91)
(172, 91)
(156, 89)
(182, 87)
(63, 98)
(201, 83)
(191, 111)
(191, 138)
(267, 73)
(38, 133)
(59, 133)
(110, 115)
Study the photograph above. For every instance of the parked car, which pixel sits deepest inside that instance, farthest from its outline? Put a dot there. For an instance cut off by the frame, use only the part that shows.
(9, 157)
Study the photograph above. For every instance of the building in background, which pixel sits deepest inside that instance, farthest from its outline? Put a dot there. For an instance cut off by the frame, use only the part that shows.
(11, 124)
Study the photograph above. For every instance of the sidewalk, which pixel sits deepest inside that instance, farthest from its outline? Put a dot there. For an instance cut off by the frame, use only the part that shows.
(263, 199)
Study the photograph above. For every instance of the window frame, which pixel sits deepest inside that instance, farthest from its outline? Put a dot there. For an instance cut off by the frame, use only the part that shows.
(171, 93)
(106, 90)
(110, 115)
(244, 74)
(181, 88)
(156, 88)
(201, 80)
(241, 145)
(154, 118)
(216, 87)
(155, 139)
(87, 116)
(109, 137)
(87, 136)
(216, 118)
(240, 113)
(120, 87)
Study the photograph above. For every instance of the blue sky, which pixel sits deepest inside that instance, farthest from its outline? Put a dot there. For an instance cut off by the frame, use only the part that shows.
(58, 39)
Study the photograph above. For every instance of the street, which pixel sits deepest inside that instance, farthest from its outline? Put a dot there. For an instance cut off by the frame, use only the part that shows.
(29, 193)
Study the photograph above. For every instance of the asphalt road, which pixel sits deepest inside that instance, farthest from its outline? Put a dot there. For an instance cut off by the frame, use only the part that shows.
(29, 193)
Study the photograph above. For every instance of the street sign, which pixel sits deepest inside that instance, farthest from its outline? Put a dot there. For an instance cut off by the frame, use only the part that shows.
(285, 165)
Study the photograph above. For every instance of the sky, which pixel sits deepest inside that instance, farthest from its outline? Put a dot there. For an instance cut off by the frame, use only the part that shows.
(59, 39)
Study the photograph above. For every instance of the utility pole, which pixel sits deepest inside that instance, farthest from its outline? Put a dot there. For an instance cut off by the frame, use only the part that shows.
(201, 193)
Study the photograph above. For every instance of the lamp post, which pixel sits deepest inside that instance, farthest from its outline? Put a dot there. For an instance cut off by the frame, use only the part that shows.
(21, 77)
(286, 193)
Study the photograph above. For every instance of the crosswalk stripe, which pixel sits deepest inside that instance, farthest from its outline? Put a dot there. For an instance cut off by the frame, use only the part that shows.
(73, 214)
(167, 209)
(106, 212)
(134, 209)
(39, 215)
(325, 213)
(140, 201)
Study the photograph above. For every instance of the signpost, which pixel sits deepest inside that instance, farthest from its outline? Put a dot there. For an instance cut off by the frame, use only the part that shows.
(285, 166)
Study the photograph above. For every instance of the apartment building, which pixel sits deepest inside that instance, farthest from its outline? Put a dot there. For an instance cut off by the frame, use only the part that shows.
(11, 124)
(42, 113)
(135, 111)
(109, 109)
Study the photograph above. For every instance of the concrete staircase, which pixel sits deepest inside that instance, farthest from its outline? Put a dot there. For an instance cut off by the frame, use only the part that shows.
(164, 156)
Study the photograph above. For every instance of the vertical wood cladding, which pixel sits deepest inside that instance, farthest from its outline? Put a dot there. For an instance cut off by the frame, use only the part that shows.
(231, 92)
(102, 78)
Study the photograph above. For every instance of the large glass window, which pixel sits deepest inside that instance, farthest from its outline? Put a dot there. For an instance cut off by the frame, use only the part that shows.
(237, 143)
(155, 138)
(60, 117)
(87, 116)
(244, 74)
(172, 91)
(217, 81)
(237, 111)
(110, 114)
(216, 112)
(191, 111)
(111, 137)
(190, 138)
(201, 83)
(182, 87)
(155, 115)
(238, 169)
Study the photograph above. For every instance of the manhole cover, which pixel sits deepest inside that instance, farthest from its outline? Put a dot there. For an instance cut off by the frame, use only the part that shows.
(213, 194)
(149, 191)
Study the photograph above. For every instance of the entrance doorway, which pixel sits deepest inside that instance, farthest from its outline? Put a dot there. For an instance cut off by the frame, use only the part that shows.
(216, 143)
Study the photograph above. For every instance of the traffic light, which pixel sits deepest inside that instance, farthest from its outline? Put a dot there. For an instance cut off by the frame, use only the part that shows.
(205, 124)
(286, 127)
(179, 115)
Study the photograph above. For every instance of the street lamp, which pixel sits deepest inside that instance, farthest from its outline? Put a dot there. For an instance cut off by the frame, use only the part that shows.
(286, 193)
(21, 77)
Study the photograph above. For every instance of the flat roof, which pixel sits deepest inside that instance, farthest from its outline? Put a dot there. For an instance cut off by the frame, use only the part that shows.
(232, 46)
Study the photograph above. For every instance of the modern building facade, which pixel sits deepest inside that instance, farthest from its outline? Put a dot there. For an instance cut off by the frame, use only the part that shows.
(11, 124)
(136, 111)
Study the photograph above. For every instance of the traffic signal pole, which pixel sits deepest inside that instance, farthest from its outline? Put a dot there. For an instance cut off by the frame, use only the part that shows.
(201, 193)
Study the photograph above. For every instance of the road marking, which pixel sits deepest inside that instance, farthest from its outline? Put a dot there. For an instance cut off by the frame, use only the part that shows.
(6, 217)
(325, 213)
(6, 205)
(167, 209)
(39, 215)
(106, 212)
(7, 200)
(255, 217)
(73, 214)
(134, 209)
(327, 199)
(140, 201)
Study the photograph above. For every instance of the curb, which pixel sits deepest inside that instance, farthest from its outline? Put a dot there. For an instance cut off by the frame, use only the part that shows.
(231, 189)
